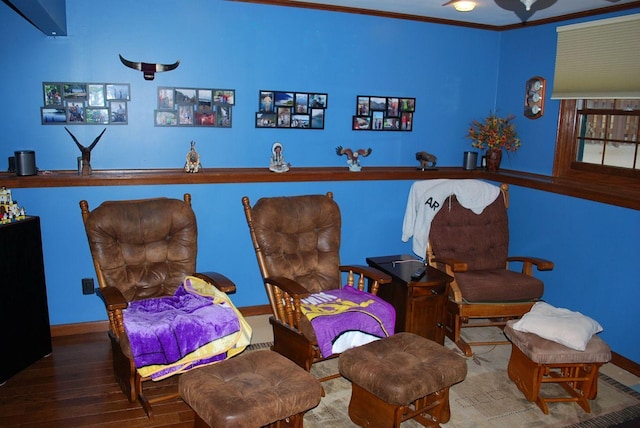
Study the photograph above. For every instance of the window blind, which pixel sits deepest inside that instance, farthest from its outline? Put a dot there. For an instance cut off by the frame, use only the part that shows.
(598, 59)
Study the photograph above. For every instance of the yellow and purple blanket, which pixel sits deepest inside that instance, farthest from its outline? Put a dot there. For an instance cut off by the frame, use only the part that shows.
(196, 326)
(348, 317)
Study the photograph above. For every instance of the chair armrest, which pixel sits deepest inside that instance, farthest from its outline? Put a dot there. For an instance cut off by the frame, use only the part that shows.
(375, 276)
(452, 265)
(289, 286)
(529, 262)
(112, 298)
(218, 280)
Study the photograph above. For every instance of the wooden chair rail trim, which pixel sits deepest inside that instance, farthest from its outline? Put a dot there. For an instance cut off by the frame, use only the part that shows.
(623, 196)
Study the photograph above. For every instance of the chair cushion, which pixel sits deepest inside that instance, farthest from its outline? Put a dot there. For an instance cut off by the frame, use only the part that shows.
(144, 247)
(300, 239)
(560, 325)
(402, 368)
(251, 390)
(543, 351)
(498, 285)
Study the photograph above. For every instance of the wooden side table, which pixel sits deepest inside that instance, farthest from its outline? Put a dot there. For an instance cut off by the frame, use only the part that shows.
(419, 304)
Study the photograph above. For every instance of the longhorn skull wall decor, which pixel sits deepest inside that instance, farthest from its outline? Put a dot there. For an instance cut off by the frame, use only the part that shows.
(149, 69)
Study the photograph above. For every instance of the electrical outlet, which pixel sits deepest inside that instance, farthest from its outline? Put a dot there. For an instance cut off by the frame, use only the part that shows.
(87, 286)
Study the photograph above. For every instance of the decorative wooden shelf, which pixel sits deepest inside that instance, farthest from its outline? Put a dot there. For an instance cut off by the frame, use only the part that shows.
(628, 198)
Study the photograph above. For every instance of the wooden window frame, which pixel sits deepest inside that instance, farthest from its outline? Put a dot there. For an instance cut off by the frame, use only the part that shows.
(565, 164)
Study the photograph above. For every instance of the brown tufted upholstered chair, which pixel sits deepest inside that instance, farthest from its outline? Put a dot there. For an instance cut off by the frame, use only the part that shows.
(141, 249)
(297, 243)
(473, 249)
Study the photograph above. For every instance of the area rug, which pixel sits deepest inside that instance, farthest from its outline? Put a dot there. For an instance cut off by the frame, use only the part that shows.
(487, 398)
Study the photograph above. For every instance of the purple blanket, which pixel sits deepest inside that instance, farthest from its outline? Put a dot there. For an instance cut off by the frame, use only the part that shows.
(166, 329)
(336, 314)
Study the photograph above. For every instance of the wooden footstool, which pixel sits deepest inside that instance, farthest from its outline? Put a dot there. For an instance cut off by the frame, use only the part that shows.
(401, 377)
(255, 389)
(535, 361)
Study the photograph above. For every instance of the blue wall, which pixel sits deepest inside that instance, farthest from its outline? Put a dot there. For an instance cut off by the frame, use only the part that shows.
(456, 74)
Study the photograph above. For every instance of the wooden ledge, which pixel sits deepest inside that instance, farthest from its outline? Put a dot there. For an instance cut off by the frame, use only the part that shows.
(620, 196)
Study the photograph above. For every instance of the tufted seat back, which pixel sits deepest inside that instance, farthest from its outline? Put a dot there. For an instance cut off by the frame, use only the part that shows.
(144, 248)
(299, 238)
(482, 241)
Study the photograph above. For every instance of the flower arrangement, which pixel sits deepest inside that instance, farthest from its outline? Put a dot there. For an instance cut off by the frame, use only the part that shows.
(494, 133)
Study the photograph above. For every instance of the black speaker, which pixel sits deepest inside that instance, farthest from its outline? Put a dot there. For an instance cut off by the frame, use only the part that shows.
(26, 162)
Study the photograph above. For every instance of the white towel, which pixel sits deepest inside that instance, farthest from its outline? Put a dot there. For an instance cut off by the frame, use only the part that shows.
(426, 199)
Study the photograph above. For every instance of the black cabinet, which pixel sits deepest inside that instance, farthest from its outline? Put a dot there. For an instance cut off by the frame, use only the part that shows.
(24, 314)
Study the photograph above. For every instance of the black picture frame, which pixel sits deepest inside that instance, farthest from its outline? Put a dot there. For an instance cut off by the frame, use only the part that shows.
(199, 107)
(378, 113)
(291, 109)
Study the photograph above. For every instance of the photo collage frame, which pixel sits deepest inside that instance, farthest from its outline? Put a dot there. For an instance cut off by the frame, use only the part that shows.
(204, 107)
(375, 113)
(292, 110)
(79, 103)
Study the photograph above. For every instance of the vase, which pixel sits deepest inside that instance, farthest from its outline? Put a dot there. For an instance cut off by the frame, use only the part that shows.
(494, 157)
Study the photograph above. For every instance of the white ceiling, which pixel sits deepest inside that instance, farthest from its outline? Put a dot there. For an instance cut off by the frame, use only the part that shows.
(487, 12)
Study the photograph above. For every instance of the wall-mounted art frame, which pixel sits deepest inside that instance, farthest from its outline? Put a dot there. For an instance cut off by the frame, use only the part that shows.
(205, 107)
(291, 110)
(82, 103)
(376, 113)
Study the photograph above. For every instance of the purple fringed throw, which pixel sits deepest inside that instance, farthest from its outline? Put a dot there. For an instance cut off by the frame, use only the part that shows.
(164, 330)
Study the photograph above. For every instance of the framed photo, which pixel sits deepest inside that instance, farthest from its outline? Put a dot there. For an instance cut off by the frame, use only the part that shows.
(302, 103)
(378, 103)
(393, 107)
(361, 123)
(97, 116)
(166, 118)
(265, 120)
(53, 115)
(224, 96)
(205, 118)
(52, 94)
(317, 118)
(118, 91)
(408, 104)
(185, 115)
(318, 101)
(75, 112)
(119, 114)
(284, 99)
(96, 97)
(284, 117)
(205, 99)
(223, 116)
(362, 107)
(75, 91)
(185, 96)
(391, 124)
(406, 121)
(300, 121)
(166, 98)
(375, 113)
(266, 101)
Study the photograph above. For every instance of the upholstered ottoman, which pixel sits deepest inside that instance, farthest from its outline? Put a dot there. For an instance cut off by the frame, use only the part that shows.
(401, 377)
(535, 361)
(254, 389)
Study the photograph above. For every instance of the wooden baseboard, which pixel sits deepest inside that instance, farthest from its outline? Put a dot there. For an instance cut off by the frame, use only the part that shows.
(103, 326)
(625, 363)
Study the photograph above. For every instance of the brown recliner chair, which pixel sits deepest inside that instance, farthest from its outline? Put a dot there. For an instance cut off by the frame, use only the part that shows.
(141, 249)
(297, 243)
(473, 249)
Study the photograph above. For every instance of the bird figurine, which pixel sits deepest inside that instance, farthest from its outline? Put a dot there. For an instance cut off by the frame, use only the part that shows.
(427, 160)
(86, 152)
(353, 157)
(148, 69)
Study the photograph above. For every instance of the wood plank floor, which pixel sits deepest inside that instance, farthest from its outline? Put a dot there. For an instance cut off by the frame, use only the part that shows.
(75, 387)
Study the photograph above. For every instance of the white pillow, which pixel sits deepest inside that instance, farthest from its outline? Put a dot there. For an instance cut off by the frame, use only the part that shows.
(569, 328)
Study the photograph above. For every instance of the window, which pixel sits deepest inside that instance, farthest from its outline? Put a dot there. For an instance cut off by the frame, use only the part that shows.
(599, 140)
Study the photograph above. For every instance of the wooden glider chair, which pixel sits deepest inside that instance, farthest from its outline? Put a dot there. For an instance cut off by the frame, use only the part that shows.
(297, 243)
(141, 249)
(473, 249)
